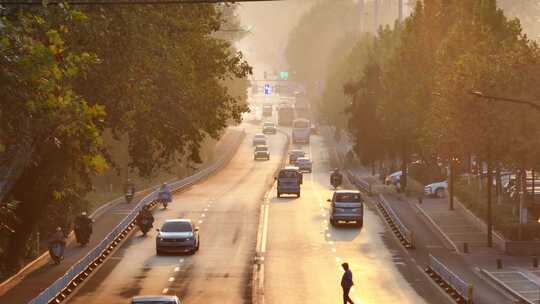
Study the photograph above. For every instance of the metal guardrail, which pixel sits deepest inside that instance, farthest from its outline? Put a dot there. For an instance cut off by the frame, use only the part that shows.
(55, 289)
(460, 290)
(406, 234)
(361, 184)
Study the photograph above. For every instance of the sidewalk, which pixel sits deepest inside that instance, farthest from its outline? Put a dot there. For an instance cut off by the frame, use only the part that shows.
(438, 231)
(30, 283)
(517, 273)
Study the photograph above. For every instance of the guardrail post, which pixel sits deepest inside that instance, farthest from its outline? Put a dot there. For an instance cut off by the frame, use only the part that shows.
(499, 264)
(465, 247)
(535, 261)
(469, 294)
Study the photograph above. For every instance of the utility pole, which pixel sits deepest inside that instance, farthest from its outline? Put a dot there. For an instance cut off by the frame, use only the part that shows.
(452, 181)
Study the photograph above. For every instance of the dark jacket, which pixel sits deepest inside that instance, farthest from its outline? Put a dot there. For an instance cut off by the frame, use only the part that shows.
(346, 280)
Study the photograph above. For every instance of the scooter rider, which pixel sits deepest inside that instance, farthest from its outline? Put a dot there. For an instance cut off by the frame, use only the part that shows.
(336, 175)
(57, 237)
(145, 213)
(83, 228)
(129, 190)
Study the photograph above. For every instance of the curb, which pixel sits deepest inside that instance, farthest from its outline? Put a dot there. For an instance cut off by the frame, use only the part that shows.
(507, 288)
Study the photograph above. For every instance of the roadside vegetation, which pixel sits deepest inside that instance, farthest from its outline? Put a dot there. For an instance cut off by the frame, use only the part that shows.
(137, 89)
(404, 94)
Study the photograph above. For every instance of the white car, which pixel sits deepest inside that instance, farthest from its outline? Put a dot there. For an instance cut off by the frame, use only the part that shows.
(304, 164)
(259, 139)
(436, 189)
(155, 300)
(393, 178)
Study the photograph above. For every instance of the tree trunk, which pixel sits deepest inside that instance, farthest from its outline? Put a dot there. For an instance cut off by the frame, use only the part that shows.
(489, 211)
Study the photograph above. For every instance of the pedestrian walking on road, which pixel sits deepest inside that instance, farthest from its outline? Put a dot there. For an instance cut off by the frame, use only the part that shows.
(346, 283)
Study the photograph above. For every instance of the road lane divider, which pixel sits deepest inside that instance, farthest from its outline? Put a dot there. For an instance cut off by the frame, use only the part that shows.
(459, 290)
(64, 286)
(257, 276)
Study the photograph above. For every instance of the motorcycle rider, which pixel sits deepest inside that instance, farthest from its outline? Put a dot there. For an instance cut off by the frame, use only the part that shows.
(145, 214)
(57, 237)
(129, 190)
(83, 228)
(164, 194)
(336, 175)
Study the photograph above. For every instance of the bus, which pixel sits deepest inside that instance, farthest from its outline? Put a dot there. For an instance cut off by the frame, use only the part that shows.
(285, 115)
(301, 130)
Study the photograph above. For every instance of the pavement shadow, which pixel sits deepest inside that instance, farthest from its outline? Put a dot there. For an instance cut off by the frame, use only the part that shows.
(343, 232)
(283, 199)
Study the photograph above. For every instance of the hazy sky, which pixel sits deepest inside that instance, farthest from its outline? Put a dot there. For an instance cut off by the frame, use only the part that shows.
(270, 23)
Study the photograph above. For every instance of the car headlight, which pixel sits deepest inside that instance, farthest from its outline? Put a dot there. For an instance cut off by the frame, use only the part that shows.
(160, 239)
(189, 239)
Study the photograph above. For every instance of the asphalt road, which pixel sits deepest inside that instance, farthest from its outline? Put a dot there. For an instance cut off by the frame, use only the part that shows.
(304, 253)
(225, 207)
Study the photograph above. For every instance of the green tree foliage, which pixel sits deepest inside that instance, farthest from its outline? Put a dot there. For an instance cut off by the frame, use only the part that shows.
(424, 107)
(43, 120)
(158, 75)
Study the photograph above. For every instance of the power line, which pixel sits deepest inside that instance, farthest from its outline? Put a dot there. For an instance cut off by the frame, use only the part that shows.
(134, 2)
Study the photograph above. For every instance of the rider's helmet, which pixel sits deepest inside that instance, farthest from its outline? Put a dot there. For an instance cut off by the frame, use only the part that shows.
(58, 228)
(83, 213)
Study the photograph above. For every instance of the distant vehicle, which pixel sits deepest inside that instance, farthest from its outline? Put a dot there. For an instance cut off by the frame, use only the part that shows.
(285, 115)
(437, 189)
(301, 130)
(259, 139)
(295, 154)
(155, 300)
(269, 128)
(314, 129)
(177, 235)
(267, 110)
(289, 180)
(304, 164)
(261, 152)
(347, 206)
(393, 179)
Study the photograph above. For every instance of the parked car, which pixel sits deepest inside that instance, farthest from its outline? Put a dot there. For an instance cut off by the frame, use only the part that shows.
(261, 152)
(304, 164)
(347, 206)
(437, 189)
(393, 179)
(155, 300)
(295, 154)
(269, 128)
(289, 180)
(177, 235)
(259, 139)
